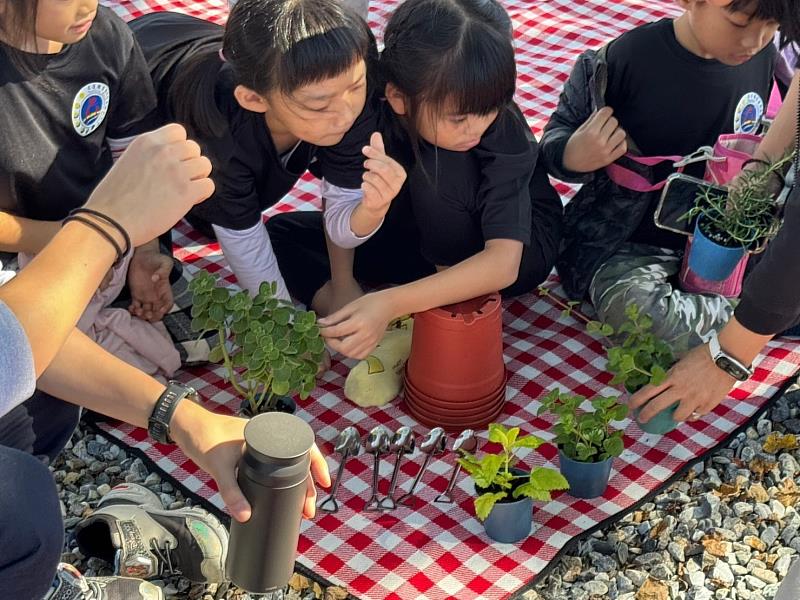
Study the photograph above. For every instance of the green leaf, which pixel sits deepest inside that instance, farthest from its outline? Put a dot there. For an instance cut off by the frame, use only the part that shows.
(548, 479)
(490, 465)
(216, 313)
(528, 441)
(657, 375)
(607, 330)
(280, 388)
(614, 446)
(219, 295)
(529, 490)
(216, 355)
(498, 434)
(485, 503)
(282, 316)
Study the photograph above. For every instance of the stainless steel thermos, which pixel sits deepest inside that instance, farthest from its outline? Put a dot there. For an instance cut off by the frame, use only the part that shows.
(272, 475)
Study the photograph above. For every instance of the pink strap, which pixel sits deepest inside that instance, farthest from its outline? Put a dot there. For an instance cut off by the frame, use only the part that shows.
(775, 102)
(628, 179)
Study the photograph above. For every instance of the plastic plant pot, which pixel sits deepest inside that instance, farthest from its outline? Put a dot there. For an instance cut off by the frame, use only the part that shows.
(710, 260)
(586, 479)
(509, 522)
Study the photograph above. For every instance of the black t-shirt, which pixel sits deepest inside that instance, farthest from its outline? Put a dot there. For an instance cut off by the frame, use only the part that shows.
(670, 101)
(248, 173)
(461, 200)
(55, 122)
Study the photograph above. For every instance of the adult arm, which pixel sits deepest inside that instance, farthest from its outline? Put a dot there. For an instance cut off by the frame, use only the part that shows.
(51, 293)
(214, 442)
(781, 135)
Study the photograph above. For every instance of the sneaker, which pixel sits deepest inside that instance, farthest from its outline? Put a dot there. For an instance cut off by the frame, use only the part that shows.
(131, 530)
(69, 584)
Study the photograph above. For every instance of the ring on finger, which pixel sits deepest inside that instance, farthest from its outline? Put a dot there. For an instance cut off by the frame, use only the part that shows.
(695, 416)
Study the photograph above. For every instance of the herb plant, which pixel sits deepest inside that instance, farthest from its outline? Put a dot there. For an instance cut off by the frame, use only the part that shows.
(581, 435)
(748, 214)
(641, 358)
(493, 475)
(268, 347)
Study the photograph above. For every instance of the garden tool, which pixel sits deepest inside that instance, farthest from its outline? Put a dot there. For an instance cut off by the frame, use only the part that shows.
(402, 442)
(347, 444)
(467, 442)
(434, 443)
(377, 444)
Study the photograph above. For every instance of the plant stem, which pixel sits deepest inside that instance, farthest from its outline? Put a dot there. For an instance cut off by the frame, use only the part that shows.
(232, 375)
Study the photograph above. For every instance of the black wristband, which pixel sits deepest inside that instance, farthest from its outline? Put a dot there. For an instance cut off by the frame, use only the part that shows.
(107, 219)
(158, 423)
(92, 225)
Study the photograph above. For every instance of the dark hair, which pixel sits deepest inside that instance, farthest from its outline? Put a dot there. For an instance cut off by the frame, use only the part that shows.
(784, 12)
(272, 45)
(17, 30)
(449, 51)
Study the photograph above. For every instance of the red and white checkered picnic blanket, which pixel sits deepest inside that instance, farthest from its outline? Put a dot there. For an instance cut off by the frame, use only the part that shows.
(437, 551)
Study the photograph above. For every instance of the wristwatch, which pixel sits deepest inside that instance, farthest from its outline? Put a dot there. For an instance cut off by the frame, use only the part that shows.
(158, 423)
(726, 362)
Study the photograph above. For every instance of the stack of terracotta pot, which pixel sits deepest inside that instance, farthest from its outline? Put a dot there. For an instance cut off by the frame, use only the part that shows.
(455, 376)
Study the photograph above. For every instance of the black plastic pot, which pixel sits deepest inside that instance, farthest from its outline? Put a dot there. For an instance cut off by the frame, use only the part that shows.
(283, 404)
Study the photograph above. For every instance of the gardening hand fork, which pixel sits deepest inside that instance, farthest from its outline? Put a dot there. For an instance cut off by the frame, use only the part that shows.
(377, 443)
(347, 444)
(434, 443)
(467, 442)
(402, 442)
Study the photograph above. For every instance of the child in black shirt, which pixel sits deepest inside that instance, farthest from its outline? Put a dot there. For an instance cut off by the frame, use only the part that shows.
(474, 208)
(267, 102)
(670, 87)
(75, 91)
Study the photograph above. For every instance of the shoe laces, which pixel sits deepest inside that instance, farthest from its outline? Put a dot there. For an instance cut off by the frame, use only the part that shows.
(164, 555)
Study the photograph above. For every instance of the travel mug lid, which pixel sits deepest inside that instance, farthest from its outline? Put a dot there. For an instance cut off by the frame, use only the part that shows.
(278, 437)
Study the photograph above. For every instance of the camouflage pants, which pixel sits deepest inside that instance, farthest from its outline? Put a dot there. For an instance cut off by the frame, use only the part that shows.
(648, 276)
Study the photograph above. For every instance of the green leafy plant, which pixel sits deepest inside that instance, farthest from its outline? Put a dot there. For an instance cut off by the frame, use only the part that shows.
(493, 472)
(582, 435)
(641, 358)
(746, 216)
(268, 347)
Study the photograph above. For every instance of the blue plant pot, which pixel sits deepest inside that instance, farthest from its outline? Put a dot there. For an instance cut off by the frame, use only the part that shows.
(586, 479)
(661, 423)
(510, 522)
(711, 261)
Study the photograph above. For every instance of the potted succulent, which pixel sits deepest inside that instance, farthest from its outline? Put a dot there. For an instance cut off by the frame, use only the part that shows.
(505, 493)
(640, 359)
(586, 443)
(729, 225)
(269, 348)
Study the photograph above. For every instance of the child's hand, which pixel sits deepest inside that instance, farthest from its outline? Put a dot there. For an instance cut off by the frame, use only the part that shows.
(383, 178)
(148, 281)
(595, 144)
(336, 294)
(356, 329)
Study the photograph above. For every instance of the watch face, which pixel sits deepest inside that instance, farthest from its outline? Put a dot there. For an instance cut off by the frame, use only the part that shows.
(732, 369)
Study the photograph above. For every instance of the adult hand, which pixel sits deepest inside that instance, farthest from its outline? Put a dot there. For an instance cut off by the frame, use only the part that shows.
(155, 182)
(694, 381)
(148, 281)
(382, 179)
(357, 328)
(595, 144)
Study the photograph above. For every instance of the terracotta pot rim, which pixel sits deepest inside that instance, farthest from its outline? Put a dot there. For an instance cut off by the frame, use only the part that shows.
(449, 398)
(450, 312)
(421, 405)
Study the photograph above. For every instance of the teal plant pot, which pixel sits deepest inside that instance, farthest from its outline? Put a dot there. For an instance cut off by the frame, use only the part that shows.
(586, 479)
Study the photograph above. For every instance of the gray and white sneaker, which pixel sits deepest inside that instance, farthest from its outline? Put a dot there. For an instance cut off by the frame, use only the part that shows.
(131, 529)
(69, 584)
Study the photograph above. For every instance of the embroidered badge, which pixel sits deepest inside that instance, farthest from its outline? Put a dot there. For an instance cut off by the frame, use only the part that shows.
(90, 107)
(749, 112)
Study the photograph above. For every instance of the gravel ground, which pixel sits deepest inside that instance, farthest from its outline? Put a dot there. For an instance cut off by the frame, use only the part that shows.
(729, 529)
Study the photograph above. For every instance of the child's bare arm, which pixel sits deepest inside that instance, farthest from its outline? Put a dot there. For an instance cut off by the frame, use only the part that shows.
(18, 234)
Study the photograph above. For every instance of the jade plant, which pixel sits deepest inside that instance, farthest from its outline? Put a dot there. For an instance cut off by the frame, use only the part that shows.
(585, 436)
(496, 479)
(748, 214)
(268, 347)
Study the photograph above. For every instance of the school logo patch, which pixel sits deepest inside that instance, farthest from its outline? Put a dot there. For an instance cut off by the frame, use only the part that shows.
(749, 113)
(90, 107)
